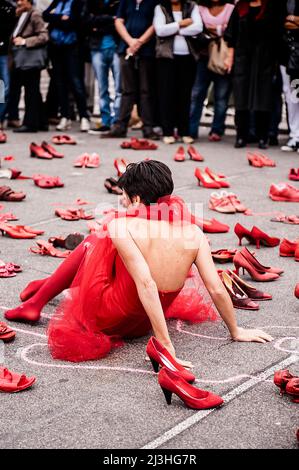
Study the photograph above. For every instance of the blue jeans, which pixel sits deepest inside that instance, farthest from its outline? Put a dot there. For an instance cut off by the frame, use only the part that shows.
(104, 61)
(4, 77)
(222, 89)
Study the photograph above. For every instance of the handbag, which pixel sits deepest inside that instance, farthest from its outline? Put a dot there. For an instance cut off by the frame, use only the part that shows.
(218, 52)
(25, 59)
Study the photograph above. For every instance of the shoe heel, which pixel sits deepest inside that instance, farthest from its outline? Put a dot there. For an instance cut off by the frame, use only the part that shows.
(167, 395)
(155, 365)
(32, 154)
(240, 241)
(258, 243)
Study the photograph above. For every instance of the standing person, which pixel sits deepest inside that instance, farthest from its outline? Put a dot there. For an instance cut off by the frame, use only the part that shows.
(290, 71)
(30, 32)
(7, 22)
(253, 34)
(103, 41)
(215, 15)
(134, 24)
(175, 22)
(65, 20)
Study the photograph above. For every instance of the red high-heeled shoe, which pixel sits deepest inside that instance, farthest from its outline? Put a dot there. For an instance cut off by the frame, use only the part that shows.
(120, 164)
(193, 397)
(253, 260)
(292, 388)
(51, 150)
(160, 356)
(180, 155)
(223, 256)
(242, 232)
(239, 298)
(263, 238)
(39, 152)
(194, 154)
(16, 231)
(252, 292)
(216, 177)
(257, 274)
(205, 179)
(281, 379)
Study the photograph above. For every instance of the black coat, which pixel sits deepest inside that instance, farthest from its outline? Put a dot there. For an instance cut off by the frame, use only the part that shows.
(256, 45)
(75, 21)
(99, 21)
(7, 22)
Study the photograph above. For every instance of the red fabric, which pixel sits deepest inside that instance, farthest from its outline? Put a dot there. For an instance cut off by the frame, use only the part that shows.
(243, 8)
(103, 305)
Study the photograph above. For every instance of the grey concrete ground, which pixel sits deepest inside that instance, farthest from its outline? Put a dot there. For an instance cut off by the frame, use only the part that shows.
(116, 402)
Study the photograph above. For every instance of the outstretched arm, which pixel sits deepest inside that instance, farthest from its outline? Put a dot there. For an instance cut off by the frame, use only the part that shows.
(140, 272)
(206, 268)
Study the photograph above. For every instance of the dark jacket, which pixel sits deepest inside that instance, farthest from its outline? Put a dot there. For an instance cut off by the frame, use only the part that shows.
(7, 23)
(34, 30)
(164, 45)
(75, 21)
(99, 21)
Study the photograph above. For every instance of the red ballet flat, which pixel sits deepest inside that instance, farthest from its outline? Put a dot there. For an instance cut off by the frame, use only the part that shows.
(47, 182)
(159, 355)
(10, 382)
(63, 140)
(193, 397)
(7, 334)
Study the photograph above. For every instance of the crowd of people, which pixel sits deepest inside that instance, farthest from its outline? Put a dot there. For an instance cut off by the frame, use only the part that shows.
(163, 55)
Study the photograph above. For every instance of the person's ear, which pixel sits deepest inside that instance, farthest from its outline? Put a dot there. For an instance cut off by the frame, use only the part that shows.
(136, 200)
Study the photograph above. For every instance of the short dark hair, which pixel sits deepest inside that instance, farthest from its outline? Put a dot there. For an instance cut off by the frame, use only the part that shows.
(149, 180)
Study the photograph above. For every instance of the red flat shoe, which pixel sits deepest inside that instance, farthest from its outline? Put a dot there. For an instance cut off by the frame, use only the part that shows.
(253, 260)
(7, 334)
(223, 256)
(266, 160)
(93, 161)
(51, 150)
(292, 388)
(45, 248)
(143, 144)
(257, 274)
(235, 201)
(193, 397)
(211, 225)
(219, 179)
(284, 192)
(287, 248)
(263, 238)
(294, 174)
(194, 154)
(213, 137)
(180, 155)
(38, 152)
(63, 140)
(81, 161)
(205, 179)
(254, 160)
(242, 232)
(238, 297)
(47, 182)
(3, 137)
(4, 272)
(7, 194)
(281, 379)
(252, 292)
(127, 144)
(159, 355)
(10, 382)
(120, 164)
(221, 203)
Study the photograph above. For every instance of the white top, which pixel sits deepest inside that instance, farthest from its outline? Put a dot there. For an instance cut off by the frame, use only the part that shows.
(163, 29)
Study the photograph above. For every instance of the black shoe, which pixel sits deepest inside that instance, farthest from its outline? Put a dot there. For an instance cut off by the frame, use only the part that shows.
(252, 138)
(116, 132)
(263, 144)
(98, 130)
(273, 141)
(24, 129)
(44, 128)
(240, 143)
(151, 135)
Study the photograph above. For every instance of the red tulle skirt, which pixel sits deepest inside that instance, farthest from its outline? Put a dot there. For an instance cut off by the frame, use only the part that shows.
(102, 306)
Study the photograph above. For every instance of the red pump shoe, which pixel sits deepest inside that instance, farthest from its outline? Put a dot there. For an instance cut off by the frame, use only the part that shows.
(256, 273)
(193, 397)
(252, 292)
(205, 179)
(262, 238)
(38, 152)
(194, 154)
(180, 155)
(51, 150)
(220, 179)
(159, 355)
(250, 257)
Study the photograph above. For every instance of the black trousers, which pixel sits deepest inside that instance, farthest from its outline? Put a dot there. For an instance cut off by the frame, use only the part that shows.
(67, 75)
(175, 80)
(34, 110)
(137, 82)
(262, 123)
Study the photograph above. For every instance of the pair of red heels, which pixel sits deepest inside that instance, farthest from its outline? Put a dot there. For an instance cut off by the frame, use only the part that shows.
(19, 231)
(194, 155)
(120, 164)
(210, 179)
(44, 151)
(259, 160)
(174, 378)
(287, 383)
(255, 236)
(248, 262)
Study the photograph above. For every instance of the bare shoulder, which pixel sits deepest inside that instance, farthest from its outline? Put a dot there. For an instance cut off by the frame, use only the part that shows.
(118, 227)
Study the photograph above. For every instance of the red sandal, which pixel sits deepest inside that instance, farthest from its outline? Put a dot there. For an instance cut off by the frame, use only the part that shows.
(63, 139)
(10, 382)
(7, 334)
(47, 249)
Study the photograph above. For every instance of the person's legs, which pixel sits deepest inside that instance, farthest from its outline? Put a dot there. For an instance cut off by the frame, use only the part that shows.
(4, 86)
(222, 90)
(129, 86)
(262, 121)
(74, 69)
(292, 107)
(199, 92)
(31, 80)
(14, 95)
(242, 118)
(166, 95)
(146, 74)
(61, 279)
(101, 64)
(58, 57)
(117, 86)
(185, 72)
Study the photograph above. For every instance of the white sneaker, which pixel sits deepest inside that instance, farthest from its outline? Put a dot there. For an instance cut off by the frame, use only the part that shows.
(64, 124)
(169, 139)
(85, 125)
(290, 146)
(187, 139)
